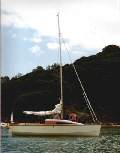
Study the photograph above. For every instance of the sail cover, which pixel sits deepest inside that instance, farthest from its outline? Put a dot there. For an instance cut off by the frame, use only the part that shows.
(56, 110)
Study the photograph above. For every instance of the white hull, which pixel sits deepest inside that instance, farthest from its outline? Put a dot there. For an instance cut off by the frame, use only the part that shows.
(55, 130)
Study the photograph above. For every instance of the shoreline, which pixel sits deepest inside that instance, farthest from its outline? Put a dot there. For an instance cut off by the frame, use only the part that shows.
(110, 126)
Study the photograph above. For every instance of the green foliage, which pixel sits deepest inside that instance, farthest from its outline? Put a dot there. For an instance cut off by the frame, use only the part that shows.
(38, 68)
(4, 79)
(53, 67)
(17, 76)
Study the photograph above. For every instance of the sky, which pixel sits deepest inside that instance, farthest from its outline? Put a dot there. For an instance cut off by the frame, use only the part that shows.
(29, 31)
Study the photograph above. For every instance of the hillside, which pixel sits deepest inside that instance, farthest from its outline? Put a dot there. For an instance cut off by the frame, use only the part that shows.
(39, 89)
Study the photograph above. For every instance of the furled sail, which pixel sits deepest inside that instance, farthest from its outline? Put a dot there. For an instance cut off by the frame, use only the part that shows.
(56, 110)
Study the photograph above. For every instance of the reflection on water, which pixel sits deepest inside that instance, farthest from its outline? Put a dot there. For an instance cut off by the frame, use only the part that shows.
(108, 142)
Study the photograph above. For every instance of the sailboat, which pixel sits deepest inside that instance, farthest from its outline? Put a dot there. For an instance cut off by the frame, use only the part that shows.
(57, 126)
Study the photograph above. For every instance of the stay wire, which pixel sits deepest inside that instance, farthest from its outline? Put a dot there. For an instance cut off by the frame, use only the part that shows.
(94, 117)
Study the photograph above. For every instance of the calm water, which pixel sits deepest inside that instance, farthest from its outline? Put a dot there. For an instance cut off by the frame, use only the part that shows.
(108, 142)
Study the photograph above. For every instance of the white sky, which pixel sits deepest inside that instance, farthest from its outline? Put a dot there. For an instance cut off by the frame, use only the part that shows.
(90, 23)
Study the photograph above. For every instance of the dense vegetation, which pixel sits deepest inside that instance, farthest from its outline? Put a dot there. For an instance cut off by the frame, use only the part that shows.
(39, 89)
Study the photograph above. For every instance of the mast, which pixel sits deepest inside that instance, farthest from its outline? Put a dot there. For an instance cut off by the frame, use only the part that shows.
(61, 77)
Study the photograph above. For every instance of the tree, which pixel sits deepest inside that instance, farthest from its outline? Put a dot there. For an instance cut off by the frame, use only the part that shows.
(38, 68)
(48, 67)
(4, 79)
(53, 66)
(111, 48)
(17, 76)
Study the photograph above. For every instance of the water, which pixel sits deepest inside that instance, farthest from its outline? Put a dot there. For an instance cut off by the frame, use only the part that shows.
(108, 142)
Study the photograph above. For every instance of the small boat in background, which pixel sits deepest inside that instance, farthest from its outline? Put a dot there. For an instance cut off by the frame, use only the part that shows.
(4, 125)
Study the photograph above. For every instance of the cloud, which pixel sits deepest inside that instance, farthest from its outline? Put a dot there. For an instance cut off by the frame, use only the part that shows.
(36, 39)
(13, 35)
(25, 39)
(52, 45)
(92, 24)
(13, 19)
(55, 46)
(36, 50)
